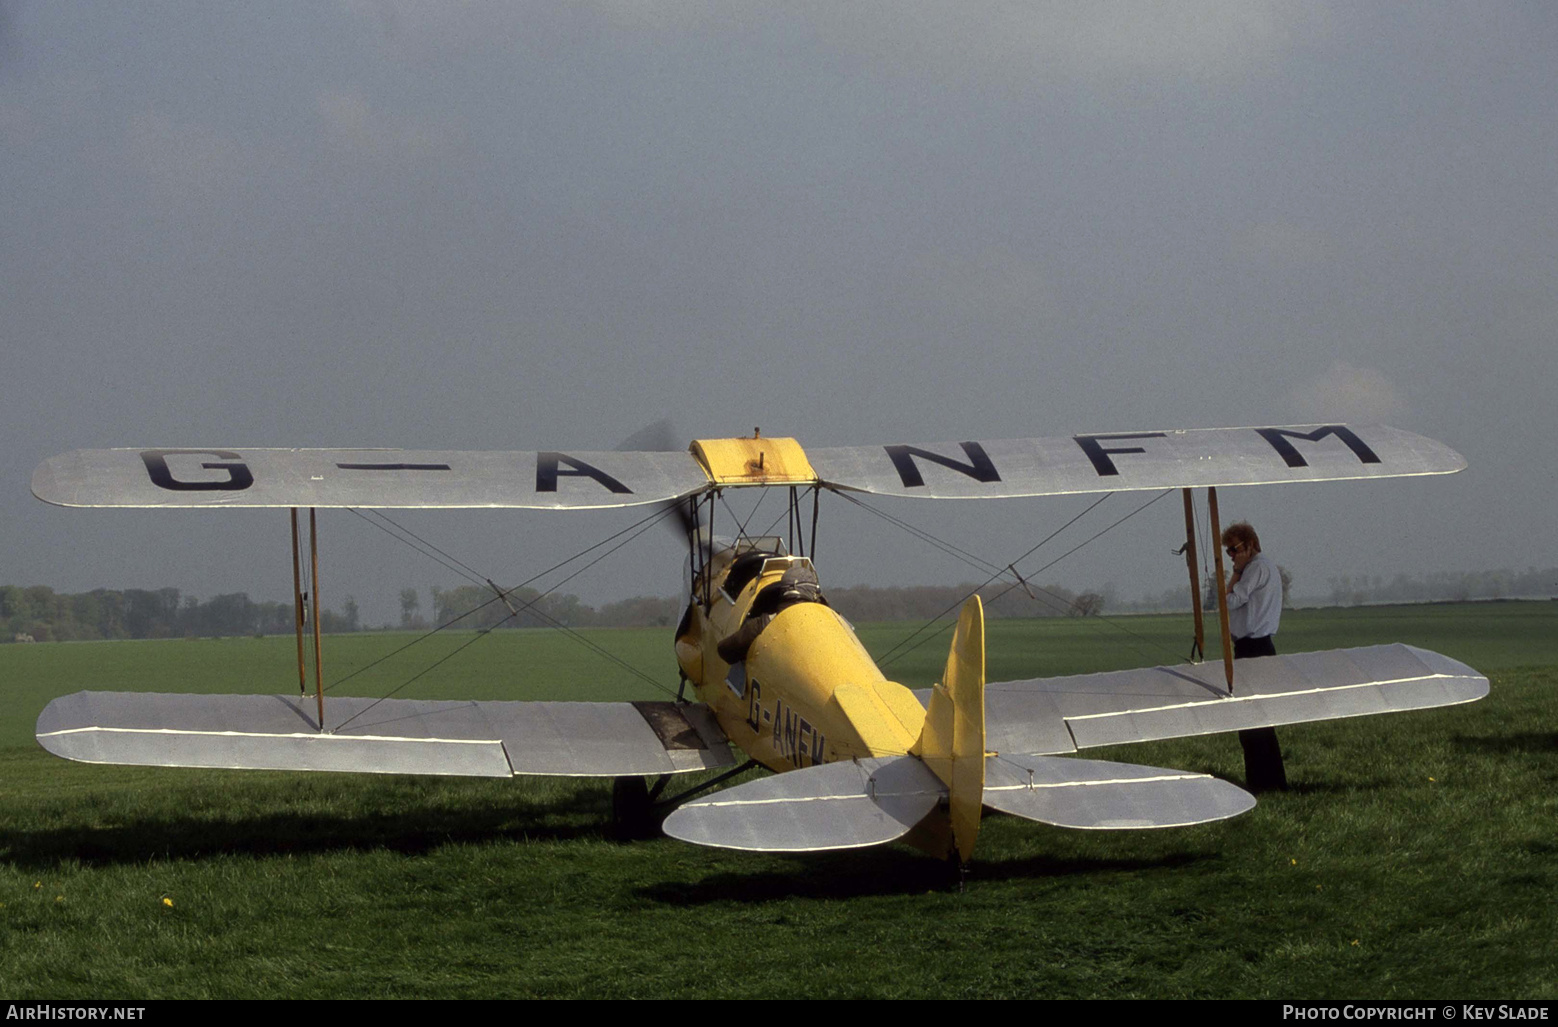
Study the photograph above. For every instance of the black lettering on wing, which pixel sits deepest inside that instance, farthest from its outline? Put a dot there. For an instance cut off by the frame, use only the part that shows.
(548, 471)
(1099, 454)
(1279, 440)
(979, 466)
(238, 475)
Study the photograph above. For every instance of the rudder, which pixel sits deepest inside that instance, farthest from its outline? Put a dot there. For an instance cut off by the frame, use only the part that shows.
(952, 743)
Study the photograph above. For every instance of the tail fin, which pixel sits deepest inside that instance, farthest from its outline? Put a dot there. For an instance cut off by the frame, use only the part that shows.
(952, 742)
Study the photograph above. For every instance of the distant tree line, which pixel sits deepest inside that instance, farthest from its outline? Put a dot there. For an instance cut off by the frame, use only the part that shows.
(1001, 599)
(40, 613)
(480, 608)
(1531, 583)
(472, 606)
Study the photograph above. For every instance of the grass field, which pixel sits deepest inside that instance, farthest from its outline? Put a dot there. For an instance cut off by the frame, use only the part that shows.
(1416, 856)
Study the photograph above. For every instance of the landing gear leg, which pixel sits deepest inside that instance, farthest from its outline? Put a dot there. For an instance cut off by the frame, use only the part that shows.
(1263, 768)
(632, 817)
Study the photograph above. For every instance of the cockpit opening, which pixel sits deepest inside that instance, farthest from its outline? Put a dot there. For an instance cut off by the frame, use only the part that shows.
(797, 584)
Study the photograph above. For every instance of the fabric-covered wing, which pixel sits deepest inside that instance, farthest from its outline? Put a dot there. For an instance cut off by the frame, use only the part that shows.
(855, 803)
(1129, 461)
(366, 478)
(844, 805)
(1092, 795)
(388, 478)
(1060, 715)
(391, 736)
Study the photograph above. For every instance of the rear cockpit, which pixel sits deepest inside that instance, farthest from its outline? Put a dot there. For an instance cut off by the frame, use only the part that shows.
(742, 585)
(730, 565)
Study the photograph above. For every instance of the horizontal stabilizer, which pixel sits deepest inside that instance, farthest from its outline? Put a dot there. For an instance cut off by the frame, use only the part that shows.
(389, 736)
(1092, 795)
(844, 805)
(1059, 715)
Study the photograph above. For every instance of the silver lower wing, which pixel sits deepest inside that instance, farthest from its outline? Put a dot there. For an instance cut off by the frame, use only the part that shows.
(1059, 715)
(390, 736)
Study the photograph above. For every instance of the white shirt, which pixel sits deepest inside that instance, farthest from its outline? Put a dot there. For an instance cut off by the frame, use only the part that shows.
(1255, 603)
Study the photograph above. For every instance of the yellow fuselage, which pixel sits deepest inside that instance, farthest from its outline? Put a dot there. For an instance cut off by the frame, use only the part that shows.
(807, 693)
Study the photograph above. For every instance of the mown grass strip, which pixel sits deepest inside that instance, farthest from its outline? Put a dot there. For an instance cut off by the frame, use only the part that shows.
(1416, 855)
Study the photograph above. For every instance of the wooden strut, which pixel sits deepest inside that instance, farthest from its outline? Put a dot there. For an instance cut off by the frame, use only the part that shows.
(1195, 576)
(1222, 587)
(789, 520)
(708, 572)
(816, 496)
(319, 674)
(793, 517)
(297, 603)
(695, 546)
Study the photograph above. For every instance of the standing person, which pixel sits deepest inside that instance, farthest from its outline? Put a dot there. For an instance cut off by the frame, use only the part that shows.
(1254, 611)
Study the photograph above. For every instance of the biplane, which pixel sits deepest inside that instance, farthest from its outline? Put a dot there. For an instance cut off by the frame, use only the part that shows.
(776, 672)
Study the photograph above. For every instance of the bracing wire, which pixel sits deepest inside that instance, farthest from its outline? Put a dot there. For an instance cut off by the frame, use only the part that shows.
(306, 585)
(588, 643)
(775, 522)
(1201, 539)
(974, 561)
(741, 525)
(428, 549)
(636, 529)
(903, 649)
(951, 550)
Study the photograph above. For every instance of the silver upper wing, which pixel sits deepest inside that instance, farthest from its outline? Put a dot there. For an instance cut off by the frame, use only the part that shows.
(1126, 461)
(369, 478)
(1061, 715)
(364, 478)
(389, 736)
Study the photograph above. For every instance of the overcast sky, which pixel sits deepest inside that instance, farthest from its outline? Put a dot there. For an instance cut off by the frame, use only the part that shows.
(521, 226)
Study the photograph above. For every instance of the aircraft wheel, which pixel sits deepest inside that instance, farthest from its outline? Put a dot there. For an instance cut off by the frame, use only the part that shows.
(632, 817)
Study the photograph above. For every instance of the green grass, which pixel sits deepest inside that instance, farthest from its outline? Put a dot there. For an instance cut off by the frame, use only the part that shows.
(1416, 856)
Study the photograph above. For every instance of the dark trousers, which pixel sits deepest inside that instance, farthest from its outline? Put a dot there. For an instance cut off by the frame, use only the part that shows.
(1263, 768)
(1247, 648)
